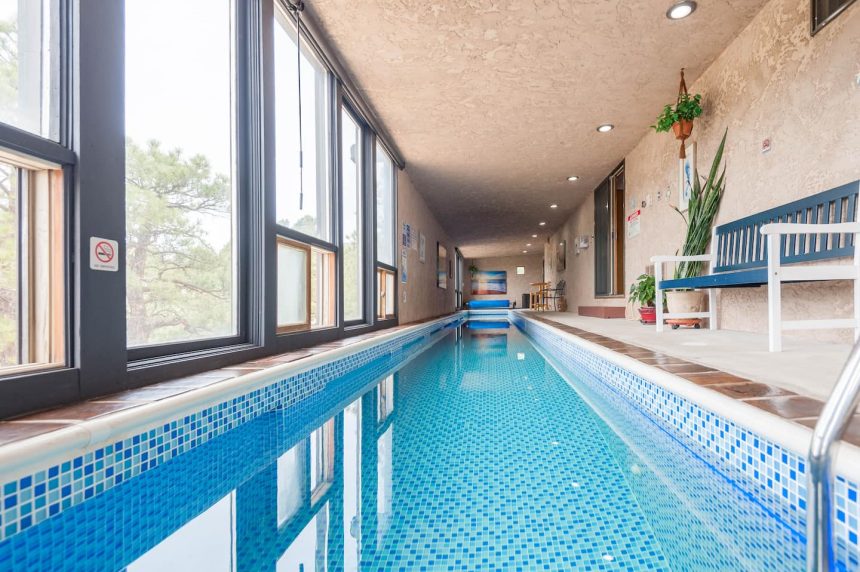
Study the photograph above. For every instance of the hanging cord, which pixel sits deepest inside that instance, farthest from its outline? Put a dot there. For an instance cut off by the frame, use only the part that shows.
(682, 91)
(297, 7)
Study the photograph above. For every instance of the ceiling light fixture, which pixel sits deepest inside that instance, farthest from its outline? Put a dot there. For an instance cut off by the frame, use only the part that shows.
(681, 10)
(553, 206)
(542, 223)
(528, 244)
(534, 236)
(606, 128)
(573, 178)
(525, 251)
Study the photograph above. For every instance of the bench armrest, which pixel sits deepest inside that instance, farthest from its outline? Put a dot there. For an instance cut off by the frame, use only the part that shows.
(806, 228)
(698, 258)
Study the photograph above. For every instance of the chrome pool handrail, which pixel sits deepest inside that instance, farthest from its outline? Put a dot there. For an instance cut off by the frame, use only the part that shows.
(831, 425)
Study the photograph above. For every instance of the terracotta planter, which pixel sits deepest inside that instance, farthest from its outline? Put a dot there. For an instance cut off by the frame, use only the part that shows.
(682, 129)
(685, 302)
(647, 315)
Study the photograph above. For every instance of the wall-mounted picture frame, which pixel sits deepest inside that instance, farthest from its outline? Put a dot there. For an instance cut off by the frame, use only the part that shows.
(422, 247)
(489, 282)
(561, 256)
(686, 172)
(441, 266)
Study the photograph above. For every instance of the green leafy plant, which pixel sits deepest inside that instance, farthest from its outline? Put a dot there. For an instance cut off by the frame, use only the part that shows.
(473, 270)
(701, 212)
(687, 107)
(643, 291)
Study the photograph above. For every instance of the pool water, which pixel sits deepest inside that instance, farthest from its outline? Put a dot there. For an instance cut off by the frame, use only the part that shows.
(475, 455)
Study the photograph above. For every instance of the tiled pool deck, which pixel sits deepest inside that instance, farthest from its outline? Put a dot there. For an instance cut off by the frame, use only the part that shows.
(791, 384)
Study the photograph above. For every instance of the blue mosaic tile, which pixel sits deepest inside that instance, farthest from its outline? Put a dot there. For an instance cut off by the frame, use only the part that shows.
(776, 477)
(492, 459)
(83, 477)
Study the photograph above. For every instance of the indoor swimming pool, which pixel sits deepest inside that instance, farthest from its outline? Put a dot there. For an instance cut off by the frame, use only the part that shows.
(474, 450)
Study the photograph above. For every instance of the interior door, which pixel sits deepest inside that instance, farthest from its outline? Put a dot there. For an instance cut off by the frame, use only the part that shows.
(602, 240)
(458, 277)
(609, 235)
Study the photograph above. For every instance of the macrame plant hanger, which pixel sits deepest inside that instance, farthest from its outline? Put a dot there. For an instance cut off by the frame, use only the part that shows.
(682, 91)
(296, 7)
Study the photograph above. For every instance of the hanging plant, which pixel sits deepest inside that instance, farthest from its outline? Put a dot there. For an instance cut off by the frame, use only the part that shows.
(679, 118)
(685, 110)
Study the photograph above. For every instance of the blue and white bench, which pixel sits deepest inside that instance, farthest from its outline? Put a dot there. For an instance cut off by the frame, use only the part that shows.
(770, 248)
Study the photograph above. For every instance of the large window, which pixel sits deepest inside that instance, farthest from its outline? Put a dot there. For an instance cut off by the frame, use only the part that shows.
(248, 208)
(31, 266)
(302, 164)
(353, 229)
(29, 66)
(306, 286)
(385, 207)
(180, 201)
(385, 294)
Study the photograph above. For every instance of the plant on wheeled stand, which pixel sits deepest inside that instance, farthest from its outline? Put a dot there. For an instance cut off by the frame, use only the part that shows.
(705, 198)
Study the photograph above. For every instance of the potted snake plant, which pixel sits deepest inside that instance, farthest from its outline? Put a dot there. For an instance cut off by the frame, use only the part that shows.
(702, 210)
(643, 292)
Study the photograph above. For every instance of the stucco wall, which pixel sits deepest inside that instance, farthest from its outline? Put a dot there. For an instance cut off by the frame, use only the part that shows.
(579, 270)
(420, 298)
(517, 284)
(773, 81)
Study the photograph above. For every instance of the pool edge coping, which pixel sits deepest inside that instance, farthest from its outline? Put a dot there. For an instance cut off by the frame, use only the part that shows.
(23, 456)
(784, 432)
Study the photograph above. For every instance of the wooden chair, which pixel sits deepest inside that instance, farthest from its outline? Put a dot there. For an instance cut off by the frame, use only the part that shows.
(537, 296)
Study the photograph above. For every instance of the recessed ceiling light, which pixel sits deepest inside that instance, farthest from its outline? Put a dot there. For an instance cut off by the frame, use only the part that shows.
(573, 178)
(525, 251)
(534, 236)
(542, 223)
(681, 10)
(553, 206)
(606, 128)
(528, 244)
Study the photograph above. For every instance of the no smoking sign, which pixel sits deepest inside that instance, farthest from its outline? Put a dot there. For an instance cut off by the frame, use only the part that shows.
(104, 254)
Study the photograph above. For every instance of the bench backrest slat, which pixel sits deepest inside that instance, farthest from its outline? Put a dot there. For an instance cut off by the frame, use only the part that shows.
(740, 244)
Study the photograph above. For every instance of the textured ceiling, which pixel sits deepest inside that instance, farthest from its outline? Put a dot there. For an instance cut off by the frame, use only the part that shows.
(494, 103)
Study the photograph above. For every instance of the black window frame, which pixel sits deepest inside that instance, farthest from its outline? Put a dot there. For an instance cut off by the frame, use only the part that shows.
(378, 264)
(44, 387)
(246, 91)
(816, 24)
(91, 151)
(367, 216)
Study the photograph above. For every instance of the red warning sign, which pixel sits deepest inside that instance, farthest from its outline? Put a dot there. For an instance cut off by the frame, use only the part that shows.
(103, 254)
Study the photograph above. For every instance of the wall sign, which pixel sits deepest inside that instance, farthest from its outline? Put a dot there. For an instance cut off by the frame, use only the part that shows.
(633, 223)
(406, 238)
(104, 254)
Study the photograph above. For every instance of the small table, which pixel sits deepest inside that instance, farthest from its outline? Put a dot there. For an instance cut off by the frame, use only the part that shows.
(537, 295)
